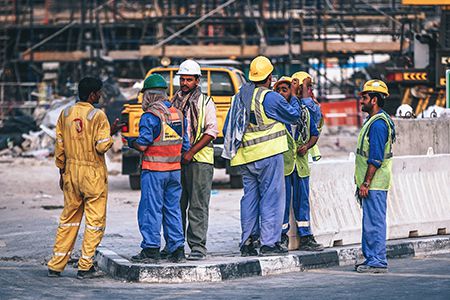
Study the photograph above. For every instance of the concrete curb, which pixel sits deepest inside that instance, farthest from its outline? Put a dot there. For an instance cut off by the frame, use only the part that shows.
(217, 268)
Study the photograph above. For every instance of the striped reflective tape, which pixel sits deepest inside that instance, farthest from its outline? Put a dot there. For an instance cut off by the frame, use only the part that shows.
(86, 257)
(262, 139)
(69, 225)
(103, 140)
(163, 159)
(61, 253)
(285, 226)
(302, 223)
(98, 228)
(91, 114)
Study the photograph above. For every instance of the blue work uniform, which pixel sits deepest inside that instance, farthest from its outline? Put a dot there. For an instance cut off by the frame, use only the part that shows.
(374, 206)
(262, 206)
(160, 192)
(297, 189)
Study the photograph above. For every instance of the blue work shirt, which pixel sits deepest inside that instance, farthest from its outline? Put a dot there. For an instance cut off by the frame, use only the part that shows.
(313, 108)
(378, 137)
(150, 129)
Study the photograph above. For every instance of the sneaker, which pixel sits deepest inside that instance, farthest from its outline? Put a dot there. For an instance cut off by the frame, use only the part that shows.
(196, 255)
(52, 273)
(308, 243)
(249, 249)
(177, 256)
(285, 241)
(164, 254)
(359, 264)
(91, 273)
(370, 269)
(147, 255)
(276, 250)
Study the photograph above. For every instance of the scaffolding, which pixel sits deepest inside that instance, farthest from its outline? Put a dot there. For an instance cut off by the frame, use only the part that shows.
(129, 37)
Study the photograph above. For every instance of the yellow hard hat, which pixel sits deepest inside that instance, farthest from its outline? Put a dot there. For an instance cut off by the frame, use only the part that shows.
(283, 79)
(375, 85)
(301, 76)
(260, 68)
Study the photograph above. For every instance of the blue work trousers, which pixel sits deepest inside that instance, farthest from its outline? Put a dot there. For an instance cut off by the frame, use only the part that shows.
(297, 192)
(160, 205)
(374, 229)
(262, 205)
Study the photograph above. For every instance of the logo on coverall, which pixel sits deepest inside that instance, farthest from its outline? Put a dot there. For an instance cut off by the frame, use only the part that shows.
(78, 125)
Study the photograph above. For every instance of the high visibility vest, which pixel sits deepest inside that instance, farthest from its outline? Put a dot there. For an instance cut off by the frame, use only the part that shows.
(382, 178)
(292, 159)
(315, 151)
(206, 155)
(165, 152)
(265, 139)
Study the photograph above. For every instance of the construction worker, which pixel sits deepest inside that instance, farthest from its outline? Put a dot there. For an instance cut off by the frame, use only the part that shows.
(83, 135)
(162, 138)
(305, 92)
(255, 139)
(373, 175)
(198, 162)
(302, 136)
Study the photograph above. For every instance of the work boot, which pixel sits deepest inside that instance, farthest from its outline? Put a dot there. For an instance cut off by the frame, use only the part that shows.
(285, 241)
(177, 256)
(276, 250)
(249, 249)
(370, 269)
(256, 242)
(196, 255)
(91, 273)
(147, 255)
(164, 254)
(52, 273)
(308, 243)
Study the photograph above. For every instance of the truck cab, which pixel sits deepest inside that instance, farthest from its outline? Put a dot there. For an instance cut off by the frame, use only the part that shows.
(219, 82)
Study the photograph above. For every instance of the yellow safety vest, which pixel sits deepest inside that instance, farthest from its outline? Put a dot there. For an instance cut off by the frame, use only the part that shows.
(266, 138)
(206, 155)
(382, 178)
(291, 158)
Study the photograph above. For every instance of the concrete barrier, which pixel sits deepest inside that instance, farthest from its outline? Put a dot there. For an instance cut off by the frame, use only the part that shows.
(418, 202)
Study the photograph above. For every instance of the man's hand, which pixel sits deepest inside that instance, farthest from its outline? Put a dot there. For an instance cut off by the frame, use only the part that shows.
(363, 191)
(115, 127)
(187, 157)
(305, 87)
(295, 86)
(302, 150)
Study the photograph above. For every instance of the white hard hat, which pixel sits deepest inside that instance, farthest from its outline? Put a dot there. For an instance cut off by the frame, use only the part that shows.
(405, 111)
(189, 67)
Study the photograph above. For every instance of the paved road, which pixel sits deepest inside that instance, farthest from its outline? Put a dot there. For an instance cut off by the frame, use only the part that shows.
(412, 278)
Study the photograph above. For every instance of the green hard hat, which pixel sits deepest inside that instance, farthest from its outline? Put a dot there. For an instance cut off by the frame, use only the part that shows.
(154, 81)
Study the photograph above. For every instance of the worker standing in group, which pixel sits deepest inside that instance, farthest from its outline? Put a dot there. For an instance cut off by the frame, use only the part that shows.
(301, 136)
(198, 162)
(373, 172)
(83, 135)
(255, 139)
(162, 139)
(305, 92)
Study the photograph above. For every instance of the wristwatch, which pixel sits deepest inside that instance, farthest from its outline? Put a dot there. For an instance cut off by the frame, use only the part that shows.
(366, 184)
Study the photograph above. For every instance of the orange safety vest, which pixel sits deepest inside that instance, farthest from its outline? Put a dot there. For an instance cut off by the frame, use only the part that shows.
(165, 152)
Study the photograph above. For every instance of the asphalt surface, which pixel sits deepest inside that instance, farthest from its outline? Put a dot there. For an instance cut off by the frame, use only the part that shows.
(412, 278)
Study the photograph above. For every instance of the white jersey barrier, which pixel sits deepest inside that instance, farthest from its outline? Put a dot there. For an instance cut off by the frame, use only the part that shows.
(418, 202)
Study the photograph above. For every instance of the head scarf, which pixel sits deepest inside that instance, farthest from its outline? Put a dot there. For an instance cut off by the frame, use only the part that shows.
(188, 104)
(153, 102)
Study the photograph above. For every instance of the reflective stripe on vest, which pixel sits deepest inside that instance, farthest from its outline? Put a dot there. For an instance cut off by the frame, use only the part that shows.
(205, 155)
(292, 160)
(165, 152)
(261, 140)
(382, 178)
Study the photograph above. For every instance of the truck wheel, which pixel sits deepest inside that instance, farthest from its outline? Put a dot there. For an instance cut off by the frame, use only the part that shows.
(236, 181)
(135, 182)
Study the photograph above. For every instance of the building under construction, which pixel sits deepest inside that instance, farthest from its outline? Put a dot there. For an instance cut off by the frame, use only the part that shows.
(61, 41)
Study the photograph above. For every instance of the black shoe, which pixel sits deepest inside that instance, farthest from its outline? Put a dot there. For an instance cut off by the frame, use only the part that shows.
(370, 269)
(308, 243)
(248, 248)
(256, 241)
(147, 255)
(285, 241)
(164, 254)
(196, 255)
(177, 256)
(91, 273)
(276, 250)
(52, 273)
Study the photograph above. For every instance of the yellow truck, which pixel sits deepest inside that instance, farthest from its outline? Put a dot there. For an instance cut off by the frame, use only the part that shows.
(219, 82)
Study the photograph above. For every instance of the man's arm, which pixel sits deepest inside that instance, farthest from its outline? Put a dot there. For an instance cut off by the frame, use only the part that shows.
(149, 129)
(314, 137)
(277, 108)
(378, 136)
(60, 156)
(102, 137)
(186, 143)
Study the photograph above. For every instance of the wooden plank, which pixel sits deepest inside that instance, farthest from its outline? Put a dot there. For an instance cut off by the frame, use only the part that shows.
(56, 56)
(351, 47)
(124, 54)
